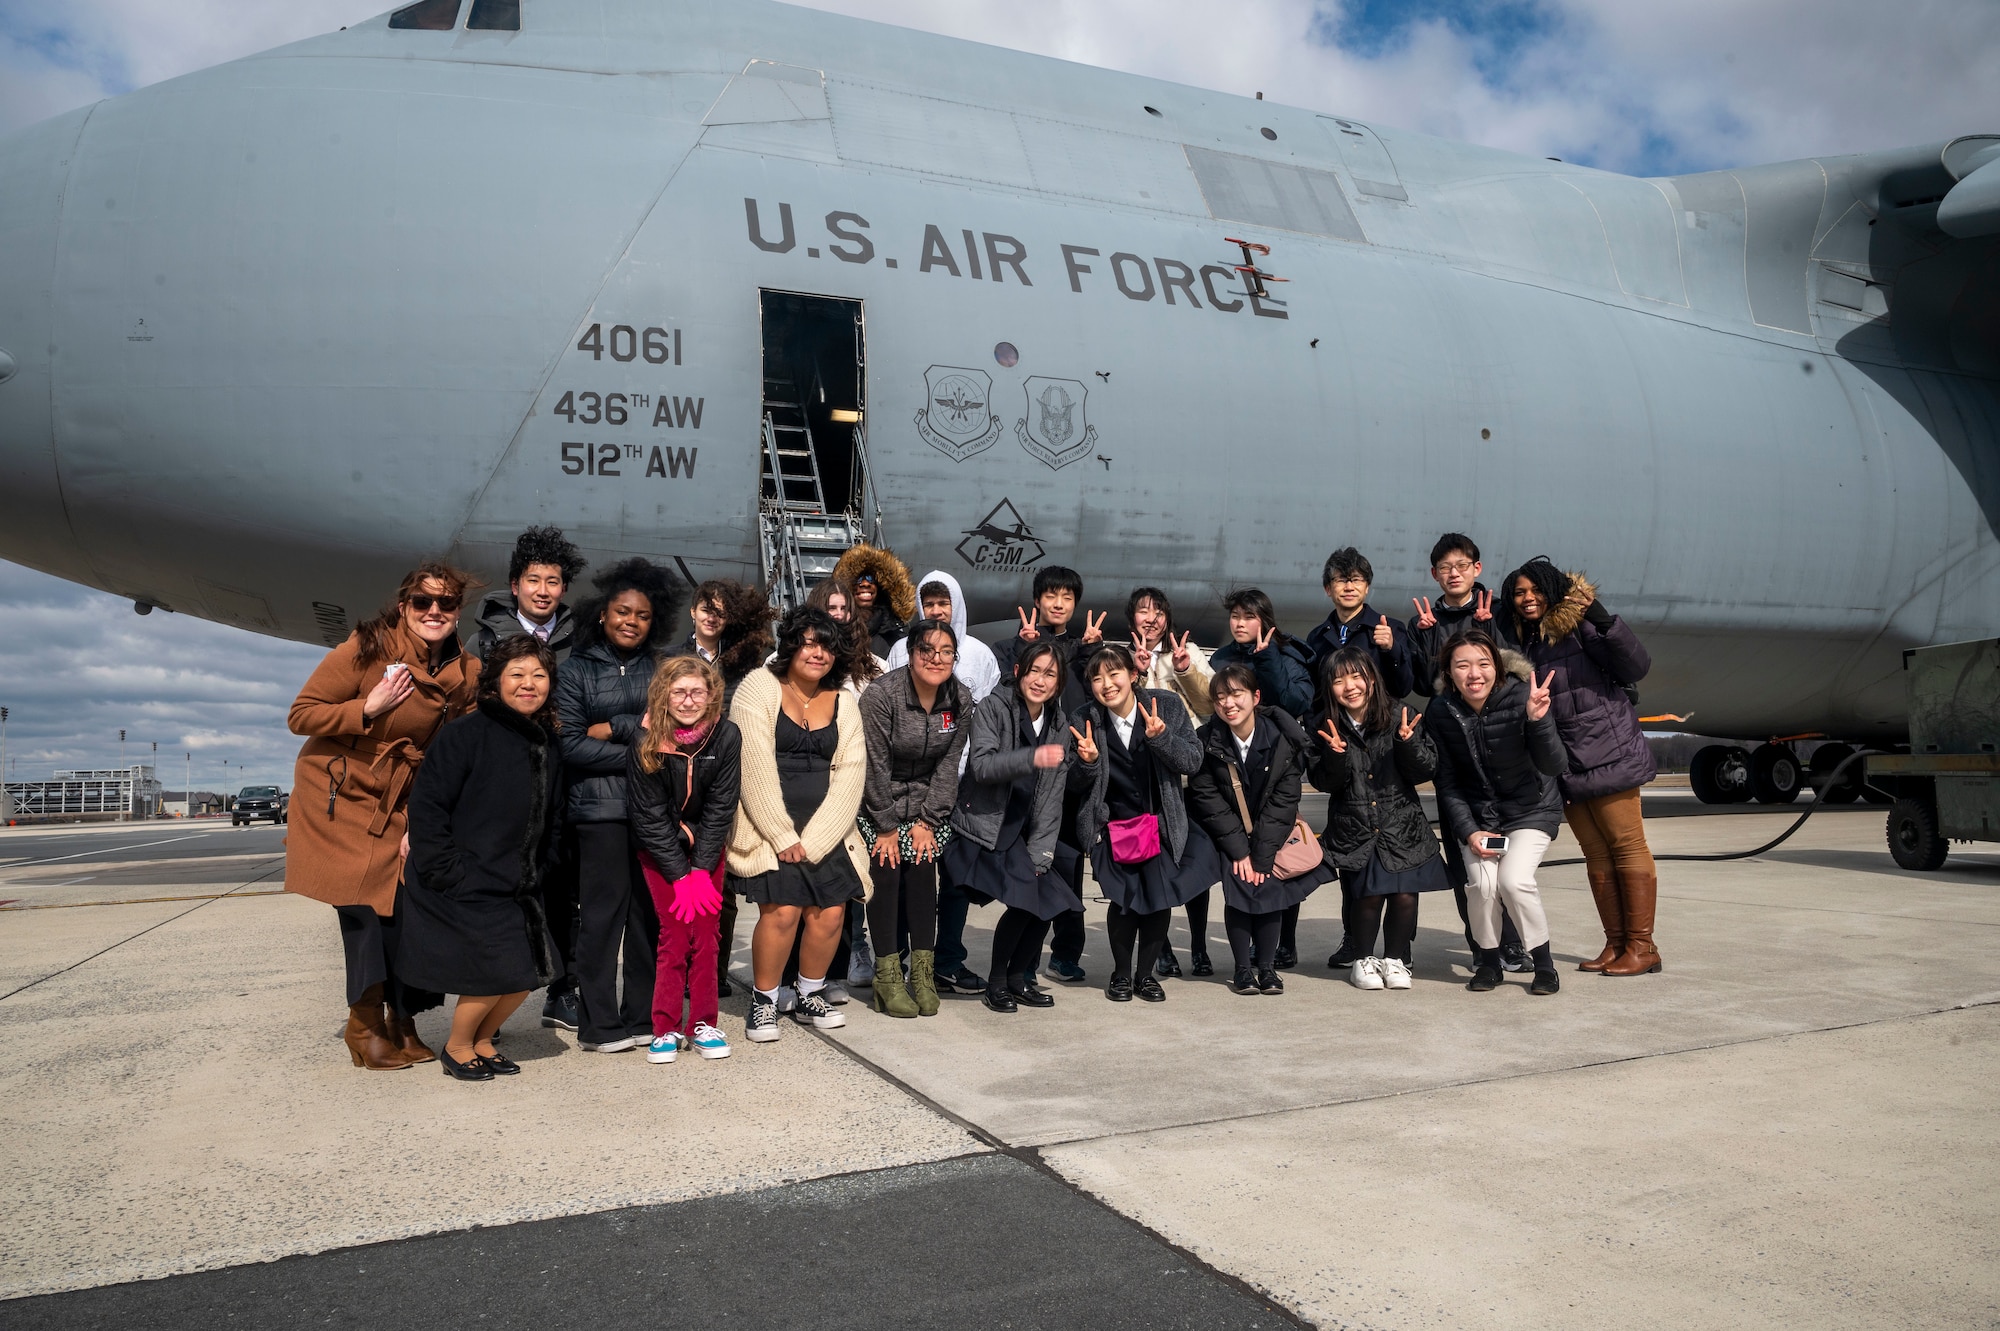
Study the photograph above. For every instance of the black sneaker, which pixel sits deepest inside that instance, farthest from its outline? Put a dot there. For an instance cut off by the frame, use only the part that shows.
(1287, 958)
(1244, 981)
(814, 1010)
(1148, 988)
(1270, 982)
(1514, 957)
(561, 1013)
(1066, 971)
(1120, 989)
(959, 981)
(761, 1026)
(1546, 982)
(1199, 964)
(1168, 967)
(1346, 957)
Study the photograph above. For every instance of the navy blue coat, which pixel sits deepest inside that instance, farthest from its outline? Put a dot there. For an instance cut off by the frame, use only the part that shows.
(1394, 661)
(1284, 671)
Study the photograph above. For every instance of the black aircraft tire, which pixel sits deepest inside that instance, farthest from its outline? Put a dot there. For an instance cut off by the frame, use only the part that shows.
(1829, 756)
(1914, 839)
(1775, 777)
(1701, 775)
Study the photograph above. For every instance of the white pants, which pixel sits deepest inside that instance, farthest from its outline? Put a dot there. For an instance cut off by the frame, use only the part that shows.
(1510, 881)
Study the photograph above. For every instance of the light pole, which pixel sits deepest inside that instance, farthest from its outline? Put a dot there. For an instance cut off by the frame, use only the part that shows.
(124, 776)
(187, 784)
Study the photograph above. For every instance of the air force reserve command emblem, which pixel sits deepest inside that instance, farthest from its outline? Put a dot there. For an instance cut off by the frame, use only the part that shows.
(1054, 429)
(957, 416)
(1002, 540)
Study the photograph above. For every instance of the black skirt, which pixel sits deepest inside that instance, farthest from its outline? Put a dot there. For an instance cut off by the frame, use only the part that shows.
(831, 882)
(805, 760)
(1158, 883)
(1008, 876)
(466, 942)
(1273, 893)
(1372, 880)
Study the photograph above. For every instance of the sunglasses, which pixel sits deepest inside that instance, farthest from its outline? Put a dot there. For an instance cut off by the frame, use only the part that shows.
(421, 602)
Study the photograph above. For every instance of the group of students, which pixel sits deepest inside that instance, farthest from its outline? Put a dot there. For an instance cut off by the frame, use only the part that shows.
(581, 800)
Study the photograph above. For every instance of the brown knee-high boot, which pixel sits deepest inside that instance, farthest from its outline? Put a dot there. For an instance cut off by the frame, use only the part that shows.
(1640, 893)
(368, 1037)
(1611, 913)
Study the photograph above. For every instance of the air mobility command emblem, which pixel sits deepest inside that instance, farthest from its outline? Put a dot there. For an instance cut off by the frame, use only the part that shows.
(1054, 429)
(957, 416)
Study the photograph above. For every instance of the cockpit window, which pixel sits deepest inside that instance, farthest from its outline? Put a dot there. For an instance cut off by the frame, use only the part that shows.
(428, 15)
(495, 15)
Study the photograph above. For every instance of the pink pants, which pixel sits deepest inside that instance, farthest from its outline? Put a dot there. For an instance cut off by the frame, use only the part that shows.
(687, 957)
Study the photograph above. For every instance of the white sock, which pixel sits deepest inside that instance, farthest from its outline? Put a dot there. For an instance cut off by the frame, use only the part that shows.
(808, 987)
(768, 995)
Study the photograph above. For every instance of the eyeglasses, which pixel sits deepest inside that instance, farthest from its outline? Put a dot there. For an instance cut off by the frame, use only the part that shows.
(688, 695)
(937, 653)
(421, 602)
(1339, 581)
(1455, 566)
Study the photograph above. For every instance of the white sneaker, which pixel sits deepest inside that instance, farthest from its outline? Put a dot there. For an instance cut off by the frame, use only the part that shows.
(664, 1048)
(618, 1046)
(1367, 973)
(709, 1042)
(1395, 975)
(835, 992)
(788, 998)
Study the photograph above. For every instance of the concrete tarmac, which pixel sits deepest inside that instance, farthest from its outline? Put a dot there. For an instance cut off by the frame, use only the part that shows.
(1792, 1124)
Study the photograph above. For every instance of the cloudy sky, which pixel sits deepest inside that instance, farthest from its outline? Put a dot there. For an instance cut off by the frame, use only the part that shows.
(1642, 86)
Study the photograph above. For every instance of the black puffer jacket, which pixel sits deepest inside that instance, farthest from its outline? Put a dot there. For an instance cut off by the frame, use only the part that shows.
(599, 684)
(1427, 645)
(1496, 769)
(1211, 796)
(1372, 806)
(690, 792)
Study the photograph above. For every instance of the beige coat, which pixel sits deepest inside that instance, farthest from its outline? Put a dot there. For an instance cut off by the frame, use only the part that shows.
(763, 827)
(353, 858)
(1191, 688)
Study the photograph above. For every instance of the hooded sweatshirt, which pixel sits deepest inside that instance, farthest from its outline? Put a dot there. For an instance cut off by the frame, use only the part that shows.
(977, 667)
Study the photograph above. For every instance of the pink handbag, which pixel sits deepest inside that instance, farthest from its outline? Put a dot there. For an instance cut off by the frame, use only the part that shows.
(1135, 840)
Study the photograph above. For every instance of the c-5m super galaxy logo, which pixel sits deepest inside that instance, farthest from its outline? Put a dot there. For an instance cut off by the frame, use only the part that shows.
(1001, 541)
(957, 416)
(1054, 429)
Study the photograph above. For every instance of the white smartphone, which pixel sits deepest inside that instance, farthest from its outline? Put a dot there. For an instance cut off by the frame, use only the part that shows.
(1496, 844)
(395, 668)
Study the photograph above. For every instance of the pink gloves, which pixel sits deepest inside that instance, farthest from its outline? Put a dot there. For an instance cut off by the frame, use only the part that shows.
(688, 898)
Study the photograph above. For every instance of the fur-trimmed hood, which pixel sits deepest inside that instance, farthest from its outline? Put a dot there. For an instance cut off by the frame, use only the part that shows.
(1561, 621)
(1511, 662)
(892, 577)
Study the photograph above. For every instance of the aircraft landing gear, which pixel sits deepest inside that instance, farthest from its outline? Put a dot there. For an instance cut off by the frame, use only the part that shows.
(1775, 777)
(1720, 774)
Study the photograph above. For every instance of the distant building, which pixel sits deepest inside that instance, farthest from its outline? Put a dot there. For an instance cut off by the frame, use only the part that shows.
(175, 803)
(112, 792)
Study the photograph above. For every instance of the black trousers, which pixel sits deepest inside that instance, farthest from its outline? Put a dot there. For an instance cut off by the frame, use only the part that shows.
(369, 943)
(1148, 932)
(1017, 942)
(559, 907)
(910, 890)
(617, 922)
(1253, 938)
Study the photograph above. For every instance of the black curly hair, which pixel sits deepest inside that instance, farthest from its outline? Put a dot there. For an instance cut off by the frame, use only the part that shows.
(656, 584)
(545, 545)
(792, 631)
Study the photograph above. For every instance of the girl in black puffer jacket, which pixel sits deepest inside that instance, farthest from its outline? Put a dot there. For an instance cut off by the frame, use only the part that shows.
(601, 696)
(1498, 757)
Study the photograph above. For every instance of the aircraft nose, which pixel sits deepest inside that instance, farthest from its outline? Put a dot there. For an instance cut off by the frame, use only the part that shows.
(33, 167)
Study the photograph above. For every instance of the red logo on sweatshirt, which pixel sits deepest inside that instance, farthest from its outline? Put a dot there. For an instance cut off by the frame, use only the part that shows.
(946, 722)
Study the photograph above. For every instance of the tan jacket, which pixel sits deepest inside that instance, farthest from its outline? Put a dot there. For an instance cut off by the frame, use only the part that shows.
(353, 858)
(1191, 688)
(763, 827)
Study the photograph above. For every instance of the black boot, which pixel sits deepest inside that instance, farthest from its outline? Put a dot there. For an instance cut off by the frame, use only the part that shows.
(1546, 979)
(1486, 972)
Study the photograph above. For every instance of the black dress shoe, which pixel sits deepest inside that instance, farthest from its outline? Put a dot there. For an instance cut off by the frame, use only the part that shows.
(1244, 981)
(1120, 989)
(1485, 979)
(1029, 994)
(1199, 964)
(1546, 982)
(1168, 967)
(1269, 982)
(472, 1069)
(501, 1064)
(1149, 989)
(998, 1000)
(1287, 958)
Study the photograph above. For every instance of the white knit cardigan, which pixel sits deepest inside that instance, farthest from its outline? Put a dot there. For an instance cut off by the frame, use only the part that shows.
(763, 827)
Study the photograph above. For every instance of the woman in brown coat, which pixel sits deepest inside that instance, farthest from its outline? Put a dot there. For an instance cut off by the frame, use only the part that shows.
(368, 712)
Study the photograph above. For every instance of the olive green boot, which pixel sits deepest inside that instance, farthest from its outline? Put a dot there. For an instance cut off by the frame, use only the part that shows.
(890, 995)
(923, 982)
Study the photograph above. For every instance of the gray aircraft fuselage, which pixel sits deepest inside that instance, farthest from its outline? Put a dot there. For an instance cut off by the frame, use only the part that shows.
(275, 330)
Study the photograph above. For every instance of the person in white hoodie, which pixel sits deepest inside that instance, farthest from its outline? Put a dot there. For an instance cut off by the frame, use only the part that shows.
(939, 597)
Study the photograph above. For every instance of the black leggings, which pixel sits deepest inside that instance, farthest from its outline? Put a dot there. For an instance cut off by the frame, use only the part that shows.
(913, 888)
(1127, 927)
(1017, 942)
(1395, 915)
(1288, 930)
(1197, 916)
(1253, 938)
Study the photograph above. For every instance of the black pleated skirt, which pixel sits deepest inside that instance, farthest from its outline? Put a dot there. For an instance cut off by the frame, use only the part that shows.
(1273, 893)
(1159, 883)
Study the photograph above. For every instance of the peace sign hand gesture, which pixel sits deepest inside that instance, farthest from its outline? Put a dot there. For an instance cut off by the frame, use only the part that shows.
(1425, 619)
(1155, 727)
(1086, 745)
(1029, 633)
(1482, 607)
(1183, 661)
(1538, 695)
(1143, 658)
(1093, 626)
(1264, 637)
(1409, 726)
(1330, 732)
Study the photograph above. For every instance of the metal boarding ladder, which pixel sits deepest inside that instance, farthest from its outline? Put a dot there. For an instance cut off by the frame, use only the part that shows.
(801, 541)
(791, 467)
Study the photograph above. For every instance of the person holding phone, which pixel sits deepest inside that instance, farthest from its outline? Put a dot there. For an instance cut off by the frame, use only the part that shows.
(369, 711)
(1498, 758)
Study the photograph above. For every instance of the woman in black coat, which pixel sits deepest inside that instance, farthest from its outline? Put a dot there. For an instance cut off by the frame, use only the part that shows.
(1498, 758)
(1371, 760)
(601, 697)
(481, 811)
(1246, 797)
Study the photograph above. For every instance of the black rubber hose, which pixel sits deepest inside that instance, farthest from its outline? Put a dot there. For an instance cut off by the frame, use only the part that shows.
(1832, 780)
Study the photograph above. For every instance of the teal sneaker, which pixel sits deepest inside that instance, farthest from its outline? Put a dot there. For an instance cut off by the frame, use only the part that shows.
(708, 1041)
(665, 1048)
